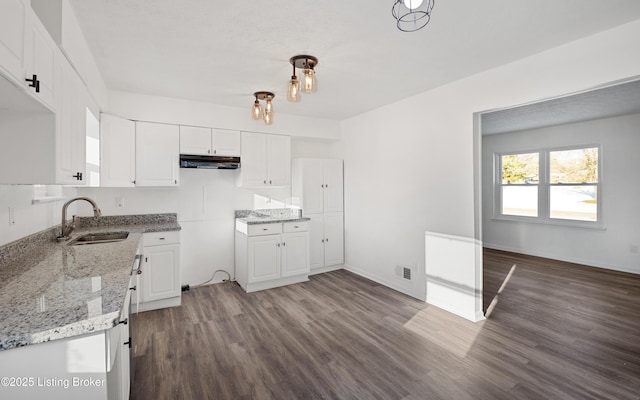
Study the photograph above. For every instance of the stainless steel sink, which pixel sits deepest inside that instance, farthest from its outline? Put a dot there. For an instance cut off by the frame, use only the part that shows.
(101, 237)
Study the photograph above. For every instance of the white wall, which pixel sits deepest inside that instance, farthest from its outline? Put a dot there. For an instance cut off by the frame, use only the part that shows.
(619, 194)
(206, 200)
(184, 112)
(409, 166)
(29, 218)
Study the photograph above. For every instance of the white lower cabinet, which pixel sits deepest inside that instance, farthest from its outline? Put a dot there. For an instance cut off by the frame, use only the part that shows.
(160, 271)
(271, 255)
(91, 366)
(326, 234)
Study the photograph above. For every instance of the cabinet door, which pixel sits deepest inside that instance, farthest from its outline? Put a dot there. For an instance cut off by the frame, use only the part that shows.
(333, 186)
(226, 143)
(312, 186)
(157, 154)
(71, 129)
(333, 239)
(117, 151)
(160, 273)
(41, 59)
(195, 140)
(316, 240)
(295, 253)
(278, 160)
(12, 36)
(253, 169)
(263, 258)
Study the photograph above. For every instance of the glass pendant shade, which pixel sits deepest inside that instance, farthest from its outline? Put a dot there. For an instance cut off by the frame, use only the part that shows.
(268, 107)
(412, 4)
(293, 89)
(310, 83)
(256, 110)
(268, 118)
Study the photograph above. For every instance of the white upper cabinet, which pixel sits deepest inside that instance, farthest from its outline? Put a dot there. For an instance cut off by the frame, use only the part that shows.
(71, 129)
(117, 151)
(265, 160)
(195, 140)
(157, 154)
(225, 142)
(12, 36)
(253, 170)
(279, 160)
(41, 61)
(318, 185)
(207, 141)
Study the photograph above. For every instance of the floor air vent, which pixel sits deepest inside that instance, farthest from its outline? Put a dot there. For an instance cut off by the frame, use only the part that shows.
(403, 272)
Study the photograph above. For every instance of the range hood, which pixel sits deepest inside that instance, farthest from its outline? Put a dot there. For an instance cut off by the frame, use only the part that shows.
(209, 162)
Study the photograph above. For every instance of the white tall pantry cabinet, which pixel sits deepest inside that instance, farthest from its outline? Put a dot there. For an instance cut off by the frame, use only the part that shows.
(317, 188)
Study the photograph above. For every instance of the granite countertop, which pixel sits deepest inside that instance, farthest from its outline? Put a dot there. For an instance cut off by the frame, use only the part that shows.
(51, 290)
(269, 216)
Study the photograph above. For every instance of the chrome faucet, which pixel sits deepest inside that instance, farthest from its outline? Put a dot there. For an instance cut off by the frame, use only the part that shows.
(66, 229)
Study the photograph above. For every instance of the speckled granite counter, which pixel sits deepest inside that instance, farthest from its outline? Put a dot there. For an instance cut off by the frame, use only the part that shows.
(50, 290)
(269, 216)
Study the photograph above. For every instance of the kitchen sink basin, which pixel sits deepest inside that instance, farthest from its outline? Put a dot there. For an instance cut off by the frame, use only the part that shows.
(102, 237)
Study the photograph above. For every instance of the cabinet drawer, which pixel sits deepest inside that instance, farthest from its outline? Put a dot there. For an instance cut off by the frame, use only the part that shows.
(299, 226)
(264, 229)
(160, 238)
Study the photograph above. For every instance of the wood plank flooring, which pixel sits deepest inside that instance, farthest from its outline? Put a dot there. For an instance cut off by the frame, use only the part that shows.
(555, 331)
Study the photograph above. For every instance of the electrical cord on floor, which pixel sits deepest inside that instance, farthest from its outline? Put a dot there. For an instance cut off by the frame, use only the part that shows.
(212, 276)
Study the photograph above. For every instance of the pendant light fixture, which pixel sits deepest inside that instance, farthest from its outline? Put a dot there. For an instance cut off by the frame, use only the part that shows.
(412, 15)
(293, 87)
(267, 113)
(309, 82)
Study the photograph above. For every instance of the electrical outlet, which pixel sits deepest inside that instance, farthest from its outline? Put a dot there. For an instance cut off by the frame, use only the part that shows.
(12, 216)
(633, 248)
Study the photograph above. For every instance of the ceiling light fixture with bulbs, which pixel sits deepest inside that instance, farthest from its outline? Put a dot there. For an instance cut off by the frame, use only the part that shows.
(309, 83)
(412, 15)
(257, 112)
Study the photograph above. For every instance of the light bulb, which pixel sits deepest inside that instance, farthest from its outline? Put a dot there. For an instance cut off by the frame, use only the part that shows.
(257, 110)
(293, 89)
(268, 118)
(268, 107)
(310, 83)
(412, 4)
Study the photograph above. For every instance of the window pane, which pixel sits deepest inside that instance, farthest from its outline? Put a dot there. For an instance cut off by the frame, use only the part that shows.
(520, 168)
(574, 202)
(574, 166)
(520, 200)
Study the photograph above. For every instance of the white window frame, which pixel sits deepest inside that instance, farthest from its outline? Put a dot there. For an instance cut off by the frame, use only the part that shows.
(544, 188)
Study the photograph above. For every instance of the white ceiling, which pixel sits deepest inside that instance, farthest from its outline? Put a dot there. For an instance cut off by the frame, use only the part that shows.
(611, 101)
(223, 51)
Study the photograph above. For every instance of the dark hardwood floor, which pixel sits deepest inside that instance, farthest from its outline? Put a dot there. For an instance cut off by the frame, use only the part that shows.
(554, 331)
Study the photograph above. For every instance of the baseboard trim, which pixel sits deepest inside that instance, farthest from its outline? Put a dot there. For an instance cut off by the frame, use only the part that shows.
(381, 281)
(575, 260)
(328, 268)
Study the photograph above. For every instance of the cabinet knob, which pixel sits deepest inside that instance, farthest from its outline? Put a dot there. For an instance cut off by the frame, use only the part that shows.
(269, 182)
(265, 182)
(326, 240)
(215, 152)
(322, 240)
(34, 82)
(278, 244)
(208, 151)
(284, 244)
